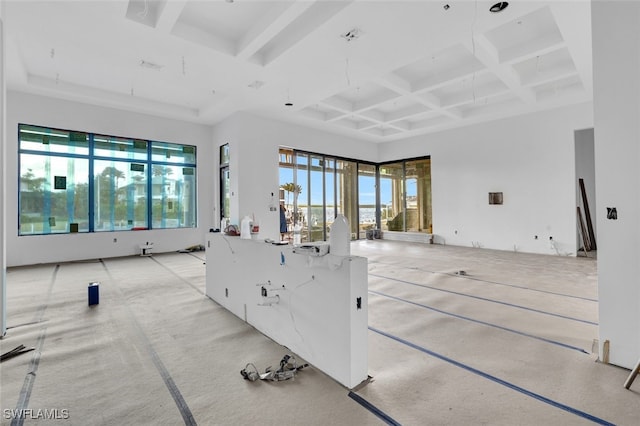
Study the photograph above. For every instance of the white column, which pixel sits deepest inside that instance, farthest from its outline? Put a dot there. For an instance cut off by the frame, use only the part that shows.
(616, 93)
(3, 192)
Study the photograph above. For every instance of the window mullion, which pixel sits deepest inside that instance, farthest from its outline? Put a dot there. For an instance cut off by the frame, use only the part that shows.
(149, 186)
(92, 192)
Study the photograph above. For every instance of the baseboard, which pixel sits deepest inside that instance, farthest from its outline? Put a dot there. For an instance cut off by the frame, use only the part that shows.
(413, 237)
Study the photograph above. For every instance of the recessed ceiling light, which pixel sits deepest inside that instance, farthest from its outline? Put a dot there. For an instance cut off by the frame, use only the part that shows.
(499, 7)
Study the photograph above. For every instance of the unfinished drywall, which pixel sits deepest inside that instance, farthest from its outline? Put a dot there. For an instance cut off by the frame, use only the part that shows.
(529, 158)
(51, 112)
(309, 304)
(617, 147)
(253, 144)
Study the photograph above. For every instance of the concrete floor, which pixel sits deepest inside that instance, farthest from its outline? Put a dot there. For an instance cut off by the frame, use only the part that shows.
(457, 336)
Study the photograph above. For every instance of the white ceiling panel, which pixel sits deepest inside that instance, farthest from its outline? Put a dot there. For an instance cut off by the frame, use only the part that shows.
(415, 66)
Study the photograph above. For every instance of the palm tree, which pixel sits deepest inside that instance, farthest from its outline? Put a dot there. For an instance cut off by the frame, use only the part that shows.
(113, 173)
(31, 181)
(162, 171)
(291, 187)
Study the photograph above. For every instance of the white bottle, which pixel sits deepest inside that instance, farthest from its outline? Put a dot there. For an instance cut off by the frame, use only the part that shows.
(340, 237)
(297, 236)
(245, 228)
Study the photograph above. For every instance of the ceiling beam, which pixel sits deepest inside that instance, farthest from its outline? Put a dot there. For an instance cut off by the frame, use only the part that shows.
(297, 30)
(485, 52)
(577, 38)
(168, 15)
(270, 26)
(110, 98)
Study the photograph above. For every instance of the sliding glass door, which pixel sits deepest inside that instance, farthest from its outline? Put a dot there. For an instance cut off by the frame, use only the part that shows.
(418, 181)
(390, 197)
(301, 197)
(392, 208)
(366, 199)
(317, 199)
(347, 193)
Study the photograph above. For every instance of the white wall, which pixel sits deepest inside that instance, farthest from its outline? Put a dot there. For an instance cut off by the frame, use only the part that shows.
(3, 168)
(617, 147)
(254, 142)
(225, 133)
(50, 112)
(530, 158)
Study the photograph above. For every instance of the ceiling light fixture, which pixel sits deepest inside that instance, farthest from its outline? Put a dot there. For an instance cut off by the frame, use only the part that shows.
(351, 34)
(499, 7)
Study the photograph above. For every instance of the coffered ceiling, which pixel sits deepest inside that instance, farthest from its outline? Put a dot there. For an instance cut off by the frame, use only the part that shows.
(373, 70)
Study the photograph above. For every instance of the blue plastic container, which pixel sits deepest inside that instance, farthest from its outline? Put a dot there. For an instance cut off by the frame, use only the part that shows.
(94, 293)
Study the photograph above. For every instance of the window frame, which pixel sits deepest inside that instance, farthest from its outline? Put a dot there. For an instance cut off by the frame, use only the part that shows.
(337, 190)
(93, 155)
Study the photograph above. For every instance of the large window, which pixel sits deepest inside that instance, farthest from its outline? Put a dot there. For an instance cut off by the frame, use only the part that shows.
(347, 193)
(418, 190)
(83, 182)
(366, 198)
(405, 196)
(392, 209)
(391, 196)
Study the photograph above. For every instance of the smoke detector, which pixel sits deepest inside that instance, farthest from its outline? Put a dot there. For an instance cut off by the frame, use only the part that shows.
(351, 35)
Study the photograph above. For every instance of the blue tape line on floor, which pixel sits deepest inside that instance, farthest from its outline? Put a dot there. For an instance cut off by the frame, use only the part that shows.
(29, 380)
(495, 379)
(486, 299)
(375, 410)
(179, 400)
(553, 342)
(472, 278)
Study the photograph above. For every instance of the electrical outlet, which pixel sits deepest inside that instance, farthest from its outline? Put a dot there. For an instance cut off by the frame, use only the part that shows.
(115, 240)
